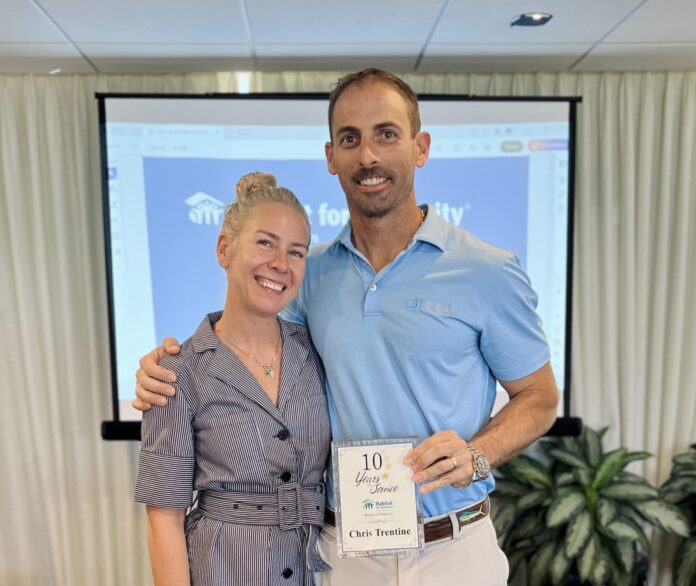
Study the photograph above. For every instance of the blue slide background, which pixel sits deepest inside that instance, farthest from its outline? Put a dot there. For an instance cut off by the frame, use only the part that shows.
(489, 193)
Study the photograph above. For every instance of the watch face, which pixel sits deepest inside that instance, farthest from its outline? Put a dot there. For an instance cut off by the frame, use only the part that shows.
(482, 466)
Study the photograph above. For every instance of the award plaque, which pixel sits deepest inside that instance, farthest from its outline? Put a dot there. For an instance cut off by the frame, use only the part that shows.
(378, 508)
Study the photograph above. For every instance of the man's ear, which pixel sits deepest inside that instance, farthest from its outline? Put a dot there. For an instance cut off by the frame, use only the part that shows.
(328, 151)
(422, 148)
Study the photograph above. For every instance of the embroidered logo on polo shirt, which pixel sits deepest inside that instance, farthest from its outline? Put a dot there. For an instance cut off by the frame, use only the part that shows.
(428, 305)
(436, 306)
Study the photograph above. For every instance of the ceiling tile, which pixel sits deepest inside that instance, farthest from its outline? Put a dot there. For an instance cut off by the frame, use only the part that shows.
(331, 22)
(149, 21)
(22, 22)
(659, 21)
(472, 21)
(634, 57)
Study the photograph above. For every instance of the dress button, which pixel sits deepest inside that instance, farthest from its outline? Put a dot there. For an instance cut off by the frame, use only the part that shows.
(283, 434)
(287, 572)
(373, 287)
(286, 476)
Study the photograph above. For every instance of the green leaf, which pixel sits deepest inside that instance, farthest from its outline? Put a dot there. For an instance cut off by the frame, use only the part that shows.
(664, 515)
(609, 467)
(527, 470)
(601, 567)
(547, 445)
(579, 531)
(592, 444)
(571, 444)
(626, 528)
(618, 576)
(503, 518)
(540, 564)
(583, 476)
(560, 565)
(629, 491)
(684, 565)
(564, 507)
(587, 558)
(680, 484)
(568, 458)
(634, 456)
(630, 477)
(625, 554)
(532, 499)
(606, 511)
(565, 479)
(509, 488)
(687, 458)
(529, 524)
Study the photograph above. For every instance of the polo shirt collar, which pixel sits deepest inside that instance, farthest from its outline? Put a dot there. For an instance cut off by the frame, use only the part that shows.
(433, 231)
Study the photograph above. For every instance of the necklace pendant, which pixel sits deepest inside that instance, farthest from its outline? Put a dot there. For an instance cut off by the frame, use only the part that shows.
(268, 370)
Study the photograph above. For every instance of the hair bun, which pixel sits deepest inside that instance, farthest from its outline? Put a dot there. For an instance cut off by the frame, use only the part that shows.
(252, 182)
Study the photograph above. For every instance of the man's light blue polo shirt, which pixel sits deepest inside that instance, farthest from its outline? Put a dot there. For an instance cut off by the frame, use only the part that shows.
(416, 348)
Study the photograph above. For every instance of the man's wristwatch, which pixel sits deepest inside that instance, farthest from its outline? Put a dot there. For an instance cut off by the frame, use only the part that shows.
(482, 467)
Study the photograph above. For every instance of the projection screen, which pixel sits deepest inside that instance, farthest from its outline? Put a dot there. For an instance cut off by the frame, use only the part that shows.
(500, 168)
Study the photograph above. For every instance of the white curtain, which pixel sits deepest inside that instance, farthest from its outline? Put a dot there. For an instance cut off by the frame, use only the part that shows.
(67, 510)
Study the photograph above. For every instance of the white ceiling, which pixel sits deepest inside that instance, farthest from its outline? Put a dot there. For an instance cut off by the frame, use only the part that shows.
(176, 36)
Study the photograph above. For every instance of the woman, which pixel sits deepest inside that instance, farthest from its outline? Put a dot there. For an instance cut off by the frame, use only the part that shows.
(248, 428)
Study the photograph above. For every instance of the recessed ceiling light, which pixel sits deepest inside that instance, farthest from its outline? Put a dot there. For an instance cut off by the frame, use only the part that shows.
(532, 19)
(54, 71)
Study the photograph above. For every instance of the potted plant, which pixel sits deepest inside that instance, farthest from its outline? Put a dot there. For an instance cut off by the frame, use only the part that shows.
(577, 515)
(680, 488)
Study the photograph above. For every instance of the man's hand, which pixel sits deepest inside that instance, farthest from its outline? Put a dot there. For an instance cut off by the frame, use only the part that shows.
(441, 460)
(444, 459)
(149, 388)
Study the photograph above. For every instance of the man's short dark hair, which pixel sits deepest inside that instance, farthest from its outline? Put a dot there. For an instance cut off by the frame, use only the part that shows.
(377, 75)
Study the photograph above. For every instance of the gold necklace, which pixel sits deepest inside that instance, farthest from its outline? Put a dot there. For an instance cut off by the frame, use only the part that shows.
(268, 367)
(422, 219)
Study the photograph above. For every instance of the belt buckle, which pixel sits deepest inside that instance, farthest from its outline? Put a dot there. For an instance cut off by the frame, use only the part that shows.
(289, 506)
(472, 513)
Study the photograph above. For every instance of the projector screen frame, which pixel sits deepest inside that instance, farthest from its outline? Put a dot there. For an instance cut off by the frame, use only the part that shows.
(117, 429)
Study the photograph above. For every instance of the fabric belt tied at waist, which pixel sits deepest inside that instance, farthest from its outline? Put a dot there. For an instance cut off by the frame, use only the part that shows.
(290, 507)
(441, 528)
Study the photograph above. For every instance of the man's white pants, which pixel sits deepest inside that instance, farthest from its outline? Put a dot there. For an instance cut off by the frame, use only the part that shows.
(472, 557)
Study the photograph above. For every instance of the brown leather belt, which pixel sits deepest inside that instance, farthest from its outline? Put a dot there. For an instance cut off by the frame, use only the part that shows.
(441, 528)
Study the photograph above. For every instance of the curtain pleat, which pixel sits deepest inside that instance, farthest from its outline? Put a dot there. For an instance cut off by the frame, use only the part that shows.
(67, 510)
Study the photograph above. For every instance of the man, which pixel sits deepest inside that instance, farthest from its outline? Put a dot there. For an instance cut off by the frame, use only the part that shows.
(415, 319)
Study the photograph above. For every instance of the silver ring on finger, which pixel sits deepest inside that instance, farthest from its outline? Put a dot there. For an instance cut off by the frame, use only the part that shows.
(454, 462)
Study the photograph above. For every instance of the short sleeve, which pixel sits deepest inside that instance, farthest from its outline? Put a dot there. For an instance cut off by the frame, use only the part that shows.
(512, 339)
(167, 454)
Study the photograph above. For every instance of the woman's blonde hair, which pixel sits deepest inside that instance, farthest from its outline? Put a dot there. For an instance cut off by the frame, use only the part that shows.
(252, 190)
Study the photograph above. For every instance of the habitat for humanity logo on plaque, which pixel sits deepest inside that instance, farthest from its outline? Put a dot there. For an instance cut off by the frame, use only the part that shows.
(204, 209)
(369, 504)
